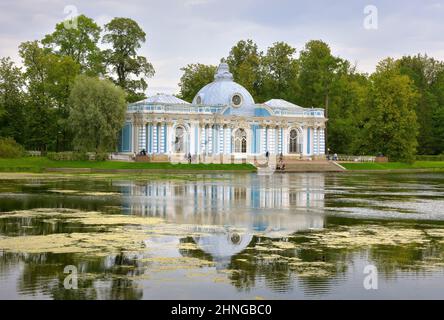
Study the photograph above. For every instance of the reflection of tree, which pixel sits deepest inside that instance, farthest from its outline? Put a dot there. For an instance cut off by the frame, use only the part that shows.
(43, 275)
(250, 265)
(24, 226)
(413, 257)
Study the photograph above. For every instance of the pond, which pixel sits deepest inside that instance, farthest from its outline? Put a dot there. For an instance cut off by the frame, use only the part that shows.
(222, 236)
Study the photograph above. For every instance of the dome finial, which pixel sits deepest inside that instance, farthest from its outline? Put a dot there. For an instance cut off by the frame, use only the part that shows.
(223, 73)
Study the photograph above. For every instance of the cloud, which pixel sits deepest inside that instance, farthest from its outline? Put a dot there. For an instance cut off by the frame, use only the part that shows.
(186, 31)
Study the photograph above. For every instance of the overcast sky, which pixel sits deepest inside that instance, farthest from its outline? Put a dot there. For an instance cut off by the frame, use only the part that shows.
(188, 31)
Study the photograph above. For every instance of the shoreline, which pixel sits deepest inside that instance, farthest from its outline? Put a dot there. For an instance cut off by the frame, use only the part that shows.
(202, 171)
(44, 165)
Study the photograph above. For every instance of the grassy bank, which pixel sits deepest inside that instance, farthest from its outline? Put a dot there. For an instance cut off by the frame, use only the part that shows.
(432, 165)
(39, 164)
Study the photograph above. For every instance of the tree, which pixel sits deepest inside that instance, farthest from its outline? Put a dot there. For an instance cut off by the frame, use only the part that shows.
(279, 70)
(347, 111)
(317, 70)
(48, 79)
(244, 61)
(126, 37)
(438, 115)
(97, 114)
(424, 71)
(11, 100)
(79, 43)
(195, 76)
(391, 128)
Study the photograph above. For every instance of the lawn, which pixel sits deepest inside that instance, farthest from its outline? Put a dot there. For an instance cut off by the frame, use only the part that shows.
(394, 165)
(38, 164)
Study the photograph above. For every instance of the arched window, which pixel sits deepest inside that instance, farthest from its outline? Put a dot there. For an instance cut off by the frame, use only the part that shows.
(240, 141)
(179, 145)
(294, 146)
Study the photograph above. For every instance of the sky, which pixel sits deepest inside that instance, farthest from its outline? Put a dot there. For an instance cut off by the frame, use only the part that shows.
(180, 32)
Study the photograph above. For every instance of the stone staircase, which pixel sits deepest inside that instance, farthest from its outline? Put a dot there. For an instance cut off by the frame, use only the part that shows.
(312, 166)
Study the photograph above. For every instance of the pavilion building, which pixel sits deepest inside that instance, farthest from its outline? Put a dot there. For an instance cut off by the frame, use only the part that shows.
(222, 123)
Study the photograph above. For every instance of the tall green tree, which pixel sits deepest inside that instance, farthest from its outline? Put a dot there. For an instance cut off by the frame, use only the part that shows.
(97, 114)
(279, 70)
(12, 100)
(438, 114)
(391, 128)
(195, 76)
(244, 61)
(80, 42)
(424, 71)
(347, 111)
(132, 71)
(48, 80)
(317, 72)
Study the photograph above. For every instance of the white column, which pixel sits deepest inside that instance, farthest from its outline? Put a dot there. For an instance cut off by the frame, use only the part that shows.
(221, 139)
(155, 133)
(272, 140)
(263, 140)
(162, 138)
(315, 141)
(322, 141)
(142, 138)
(210, 139)
(149, 138)
(285, 134)
(227, 143)
(202, 140)
(191, 143)
(135, 135)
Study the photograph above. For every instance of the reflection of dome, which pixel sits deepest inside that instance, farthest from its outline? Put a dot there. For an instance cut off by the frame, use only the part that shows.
(222, 246)
(223, 91)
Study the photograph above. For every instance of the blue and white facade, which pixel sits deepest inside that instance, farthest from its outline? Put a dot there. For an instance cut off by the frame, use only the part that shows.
(222, 122)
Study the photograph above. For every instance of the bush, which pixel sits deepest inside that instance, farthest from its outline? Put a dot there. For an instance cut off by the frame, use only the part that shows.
(430, 158)
(68, 156)
(101, 156)
(10, 149)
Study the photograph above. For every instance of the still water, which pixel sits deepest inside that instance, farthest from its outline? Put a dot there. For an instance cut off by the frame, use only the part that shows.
(222, 236)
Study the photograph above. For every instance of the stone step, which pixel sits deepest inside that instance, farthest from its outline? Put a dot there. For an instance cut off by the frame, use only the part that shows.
(312, 166)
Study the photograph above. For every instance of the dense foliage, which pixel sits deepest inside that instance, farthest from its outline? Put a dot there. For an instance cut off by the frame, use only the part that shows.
(398, 110)
(10, 149)
(34, 108)
(97, 113)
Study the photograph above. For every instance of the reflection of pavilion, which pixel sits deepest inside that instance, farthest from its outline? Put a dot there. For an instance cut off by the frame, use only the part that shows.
(231, 193)
(274, 206)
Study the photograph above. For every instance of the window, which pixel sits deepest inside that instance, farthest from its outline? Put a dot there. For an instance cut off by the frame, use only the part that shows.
(294, 146)
(199, 100)
(179, 146)
(240, 141)
(236, 100)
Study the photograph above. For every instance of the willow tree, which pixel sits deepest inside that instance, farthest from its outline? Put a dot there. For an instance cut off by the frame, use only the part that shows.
(97, 114)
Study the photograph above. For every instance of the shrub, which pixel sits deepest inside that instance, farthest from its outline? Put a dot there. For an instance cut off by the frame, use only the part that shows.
(101, 156)
(68, 156)
(10, 149)
(430, 158)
